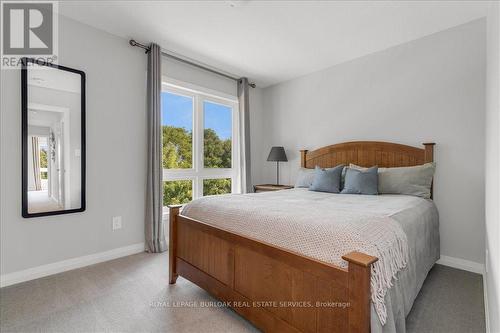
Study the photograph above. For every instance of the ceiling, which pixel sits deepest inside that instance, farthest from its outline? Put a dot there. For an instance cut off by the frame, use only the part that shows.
(273, 41)
(43, 118)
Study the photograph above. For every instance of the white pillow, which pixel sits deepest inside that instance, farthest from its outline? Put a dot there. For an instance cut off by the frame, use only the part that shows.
(414, 180)
(305, 177)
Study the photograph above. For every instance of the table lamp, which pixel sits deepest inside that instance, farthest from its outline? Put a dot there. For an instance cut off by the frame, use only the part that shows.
(277, 154)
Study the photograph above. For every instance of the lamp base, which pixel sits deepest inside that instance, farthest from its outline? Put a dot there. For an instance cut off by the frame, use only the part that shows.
(278, 173)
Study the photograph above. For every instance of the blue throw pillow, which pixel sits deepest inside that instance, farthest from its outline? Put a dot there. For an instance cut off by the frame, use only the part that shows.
(327, 180)
(361, 181)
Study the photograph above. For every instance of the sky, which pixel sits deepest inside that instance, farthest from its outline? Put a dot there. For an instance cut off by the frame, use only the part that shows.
(177, 110)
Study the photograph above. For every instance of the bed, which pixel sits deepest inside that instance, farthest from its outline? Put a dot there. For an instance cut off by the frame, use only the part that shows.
(268, 255)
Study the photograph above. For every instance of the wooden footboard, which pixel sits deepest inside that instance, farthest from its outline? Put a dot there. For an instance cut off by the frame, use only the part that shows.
(277, 290)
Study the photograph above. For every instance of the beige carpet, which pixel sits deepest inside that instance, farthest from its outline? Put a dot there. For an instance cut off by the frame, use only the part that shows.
(39, 202)
(132, 295)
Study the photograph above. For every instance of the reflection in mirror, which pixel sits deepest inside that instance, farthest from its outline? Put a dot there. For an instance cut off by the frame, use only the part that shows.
(53, 140)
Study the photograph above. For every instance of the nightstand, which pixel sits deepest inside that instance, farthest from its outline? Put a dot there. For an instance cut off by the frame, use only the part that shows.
(270, 187)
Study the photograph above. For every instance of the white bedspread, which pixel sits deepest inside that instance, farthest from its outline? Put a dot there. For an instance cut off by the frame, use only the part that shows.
(324, 226)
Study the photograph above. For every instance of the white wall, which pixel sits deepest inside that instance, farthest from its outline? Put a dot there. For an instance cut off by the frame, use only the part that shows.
(430, 89)
(493, 167)
(185, 73)
(116, 157)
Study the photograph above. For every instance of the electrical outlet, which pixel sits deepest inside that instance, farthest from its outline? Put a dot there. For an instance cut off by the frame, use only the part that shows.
(117, 222)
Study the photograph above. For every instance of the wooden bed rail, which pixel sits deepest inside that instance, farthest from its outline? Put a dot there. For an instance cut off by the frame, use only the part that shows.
(270, 281)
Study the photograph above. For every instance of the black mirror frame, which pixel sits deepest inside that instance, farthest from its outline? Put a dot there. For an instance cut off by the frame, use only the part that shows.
(24, 130)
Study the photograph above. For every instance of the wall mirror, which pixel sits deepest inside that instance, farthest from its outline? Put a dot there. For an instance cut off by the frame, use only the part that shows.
(53, 139)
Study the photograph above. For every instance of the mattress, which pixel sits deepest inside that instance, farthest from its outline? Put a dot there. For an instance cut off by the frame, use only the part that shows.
(254, 215)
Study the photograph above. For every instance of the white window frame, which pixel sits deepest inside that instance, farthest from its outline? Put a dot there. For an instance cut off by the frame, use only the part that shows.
(198, 172)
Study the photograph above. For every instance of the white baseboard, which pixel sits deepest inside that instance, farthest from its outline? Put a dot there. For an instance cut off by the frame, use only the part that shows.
(466, 265)
(486, 309)
(69, 264)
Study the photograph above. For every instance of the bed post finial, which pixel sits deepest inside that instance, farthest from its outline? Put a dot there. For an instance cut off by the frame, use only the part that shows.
(429, 152)
(359, 276)
(172, 244)
(303, 154)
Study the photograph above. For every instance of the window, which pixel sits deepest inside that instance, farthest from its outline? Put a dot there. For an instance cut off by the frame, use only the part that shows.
(200, 143)
(217, 135)
(177, 192)
(216, 186)
(177, 121)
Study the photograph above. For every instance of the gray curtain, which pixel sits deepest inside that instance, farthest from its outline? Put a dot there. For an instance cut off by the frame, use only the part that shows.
(154, 228)
(244, 102)
(35, 147)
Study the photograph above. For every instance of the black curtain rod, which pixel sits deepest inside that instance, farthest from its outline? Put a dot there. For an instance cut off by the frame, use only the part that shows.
(208, 69)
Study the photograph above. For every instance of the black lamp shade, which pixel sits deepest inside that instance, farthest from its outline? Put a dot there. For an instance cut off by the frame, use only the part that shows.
(277, 154)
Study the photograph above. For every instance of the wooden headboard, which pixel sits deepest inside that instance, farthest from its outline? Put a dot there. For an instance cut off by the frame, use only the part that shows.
(367, 154)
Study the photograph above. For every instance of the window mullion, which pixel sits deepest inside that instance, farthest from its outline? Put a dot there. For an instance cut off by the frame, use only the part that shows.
(198, 116)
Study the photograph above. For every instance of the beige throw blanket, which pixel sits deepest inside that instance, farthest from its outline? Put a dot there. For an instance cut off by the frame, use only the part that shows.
(323, 226)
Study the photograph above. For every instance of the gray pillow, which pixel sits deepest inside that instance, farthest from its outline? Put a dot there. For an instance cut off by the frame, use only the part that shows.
(342, 178)
(327, 180)
(414, 180)
(361, 181)
(305, 177)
